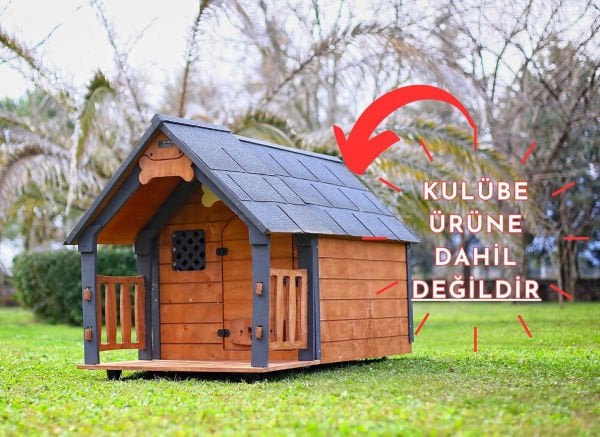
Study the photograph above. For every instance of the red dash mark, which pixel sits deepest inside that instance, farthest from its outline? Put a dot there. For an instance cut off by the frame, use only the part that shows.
(389, 184)
(376, 238)
(531, 147)
(474, 338)
(525, 327)
(576, 238)
(563, 292)
(563, 188)
(424, 146)
(422, 323)
(387, 287)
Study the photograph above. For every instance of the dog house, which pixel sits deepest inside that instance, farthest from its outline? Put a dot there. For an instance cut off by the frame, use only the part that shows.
(251, 257)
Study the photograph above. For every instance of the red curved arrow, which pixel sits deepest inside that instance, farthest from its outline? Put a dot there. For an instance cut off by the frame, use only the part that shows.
(359, 149)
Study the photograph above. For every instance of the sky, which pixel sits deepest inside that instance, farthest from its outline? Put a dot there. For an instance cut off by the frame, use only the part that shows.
(80, 42)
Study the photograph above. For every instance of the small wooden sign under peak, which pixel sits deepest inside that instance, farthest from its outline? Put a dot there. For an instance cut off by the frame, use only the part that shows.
(163, 158)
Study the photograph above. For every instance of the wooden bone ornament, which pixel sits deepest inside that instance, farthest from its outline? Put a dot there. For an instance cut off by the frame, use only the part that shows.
(163, 158)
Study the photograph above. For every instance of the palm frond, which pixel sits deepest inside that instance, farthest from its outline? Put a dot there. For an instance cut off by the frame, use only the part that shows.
(333, 42)
(267, 127)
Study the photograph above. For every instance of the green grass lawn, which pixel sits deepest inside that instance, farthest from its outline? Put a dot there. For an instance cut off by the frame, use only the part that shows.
(545, 385)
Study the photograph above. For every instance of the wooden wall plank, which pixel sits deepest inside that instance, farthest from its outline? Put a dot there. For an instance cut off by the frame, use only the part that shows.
(236, 230)
(361, 289)
(237, 310)
(190, 292)
(239, 290)
(360, 269)
(212, 231)
(185, 351)
(190, 333)
(337, 330)
(198, 213)
(364, 348)
(191, 312)
(330, 247)
(212, 273)
(363, 309)
(237, 270)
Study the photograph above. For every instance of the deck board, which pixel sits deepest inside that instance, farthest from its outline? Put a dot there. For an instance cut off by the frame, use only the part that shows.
(197, 366)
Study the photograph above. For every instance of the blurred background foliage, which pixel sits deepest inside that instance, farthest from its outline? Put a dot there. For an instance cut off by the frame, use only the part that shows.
(526, 70)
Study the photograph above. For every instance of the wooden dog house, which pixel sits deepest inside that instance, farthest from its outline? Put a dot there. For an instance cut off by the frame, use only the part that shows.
(251, 257)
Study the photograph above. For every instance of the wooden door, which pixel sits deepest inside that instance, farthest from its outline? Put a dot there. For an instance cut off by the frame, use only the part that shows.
(237, 285)
(191, 301)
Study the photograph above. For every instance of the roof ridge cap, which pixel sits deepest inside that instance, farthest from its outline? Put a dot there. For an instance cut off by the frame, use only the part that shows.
(164, 118)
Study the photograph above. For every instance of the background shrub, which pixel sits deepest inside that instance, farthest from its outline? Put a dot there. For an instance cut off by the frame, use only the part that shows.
(49, 282)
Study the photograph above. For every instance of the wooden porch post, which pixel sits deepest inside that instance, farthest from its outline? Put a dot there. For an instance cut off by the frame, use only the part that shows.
(87, 248)
(308, 258)
(143, 258)
(261, 280)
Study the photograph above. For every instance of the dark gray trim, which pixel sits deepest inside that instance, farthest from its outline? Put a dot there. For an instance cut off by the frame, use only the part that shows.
(87, 248)
(143, 246)
(308, 258)
(155, 300)
(261, 272)
(411, 334)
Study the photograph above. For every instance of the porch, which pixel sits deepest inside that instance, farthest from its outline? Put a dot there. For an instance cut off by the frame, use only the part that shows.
(197, 366)
(120, 303)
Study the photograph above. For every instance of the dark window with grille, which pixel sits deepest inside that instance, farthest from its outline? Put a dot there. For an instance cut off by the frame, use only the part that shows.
(189, 250)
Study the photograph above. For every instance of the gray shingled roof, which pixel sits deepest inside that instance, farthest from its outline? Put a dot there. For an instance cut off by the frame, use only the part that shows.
(280, 189)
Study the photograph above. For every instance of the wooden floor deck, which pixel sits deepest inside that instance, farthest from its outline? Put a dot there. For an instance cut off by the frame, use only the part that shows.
(197, 366)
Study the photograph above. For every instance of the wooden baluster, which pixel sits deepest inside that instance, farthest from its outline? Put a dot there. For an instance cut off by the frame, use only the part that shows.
(303, 335)
(139, 313)
(99, 309)
(125, 311)
(280, 310)
(110, 312)
(292, 309)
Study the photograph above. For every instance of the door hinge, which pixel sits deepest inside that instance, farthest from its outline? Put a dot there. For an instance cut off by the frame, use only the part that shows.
(223, 333)
(222, 251)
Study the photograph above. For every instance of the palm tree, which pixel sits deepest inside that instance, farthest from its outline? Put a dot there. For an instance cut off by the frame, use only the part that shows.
(293, 92)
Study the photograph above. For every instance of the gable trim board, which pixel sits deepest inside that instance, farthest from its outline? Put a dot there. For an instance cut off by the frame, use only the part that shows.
(272, 188)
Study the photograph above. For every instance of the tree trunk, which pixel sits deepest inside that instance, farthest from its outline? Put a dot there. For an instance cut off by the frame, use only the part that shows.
(567, 275)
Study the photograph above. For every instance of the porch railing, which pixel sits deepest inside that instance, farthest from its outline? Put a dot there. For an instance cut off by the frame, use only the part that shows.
(288, 309)
(107, 289)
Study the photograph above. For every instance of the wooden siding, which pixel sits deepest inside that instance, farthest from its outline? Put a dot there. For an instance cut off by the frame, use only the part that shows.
(195, 304)
(356, 322)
